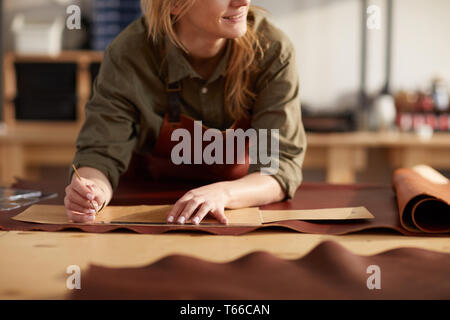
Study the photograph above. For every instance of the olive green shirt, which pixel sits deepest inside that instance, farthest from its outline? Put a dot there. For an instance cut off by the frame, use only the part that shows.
(129, 101)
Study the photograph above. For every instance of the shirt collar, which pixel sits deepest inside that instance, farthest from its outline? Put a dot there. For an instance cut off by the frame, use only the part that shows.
(221, 68)
(180, 68)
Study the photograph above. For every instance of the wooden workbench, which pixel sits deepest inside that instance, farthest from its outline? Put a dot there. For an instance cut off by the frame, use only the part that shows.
(342, 155)
(345, 154)
(33, 264)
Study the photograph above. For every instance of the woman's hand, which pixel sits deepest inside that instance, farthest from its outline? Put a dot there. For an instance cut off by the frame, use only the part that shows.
(197, 203)
(252, 190)
(93, 187)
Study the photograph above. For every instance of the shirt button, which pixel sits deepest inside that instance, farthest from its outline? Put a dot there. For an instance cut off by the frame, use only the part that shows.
(204, 90)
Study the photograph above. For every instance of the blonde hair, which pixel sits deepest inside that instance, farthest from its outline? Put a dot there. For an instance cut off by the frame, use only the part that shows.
(245, 51)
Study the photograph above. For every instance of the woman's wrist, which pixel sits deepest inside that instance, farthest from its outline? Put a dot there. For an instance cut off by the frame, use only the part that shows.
(252, 190)
(228, 187)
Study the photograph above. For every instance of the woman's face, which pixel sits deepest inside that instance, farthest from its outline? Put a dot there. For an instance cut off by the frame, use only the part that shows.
(218, 18)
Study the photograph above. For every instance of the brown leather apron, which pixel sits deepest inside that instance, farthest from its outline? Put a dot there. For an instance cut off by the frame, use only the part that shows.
(159, 166)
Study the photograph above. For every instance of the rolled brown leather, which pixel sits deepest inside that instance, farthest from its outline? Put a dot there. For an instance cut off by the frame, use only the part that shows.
(424, 204)
(329, 271)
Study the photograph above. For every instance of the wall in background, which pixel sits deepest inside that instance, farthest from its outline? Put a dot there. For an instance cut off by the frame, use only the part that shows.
(421, 47)
(327, 34)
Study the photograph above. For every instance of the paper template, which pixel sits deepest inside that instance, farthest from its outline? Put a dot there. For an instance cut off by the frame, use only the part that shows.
(148, 215)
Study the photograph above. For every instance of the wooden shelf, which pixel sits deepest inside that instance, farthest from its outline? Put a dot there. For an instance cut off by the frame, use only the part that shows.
(25, 145)
(83, 60)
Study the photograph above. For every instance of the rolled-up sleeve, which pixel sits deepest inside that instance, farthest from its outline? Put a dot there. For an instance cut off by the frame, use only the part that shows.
(277, 106)
(109, 134)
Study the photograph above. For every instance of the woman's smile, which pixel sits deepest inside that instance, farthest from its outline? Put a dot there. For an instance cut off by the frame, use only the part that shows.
(236, 17)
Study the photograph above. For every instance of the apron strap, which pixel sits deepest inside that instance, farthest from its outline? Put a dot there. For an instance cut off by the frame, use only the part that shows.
(175, 100)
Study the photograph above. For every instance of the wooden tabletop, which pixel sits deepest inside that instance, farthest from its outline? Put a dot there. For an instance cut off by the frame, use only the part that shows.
(33, 264)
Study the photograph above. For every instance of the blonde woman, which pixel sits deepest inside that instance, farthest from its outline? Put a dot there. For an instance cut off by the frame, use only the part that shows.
(218, 61)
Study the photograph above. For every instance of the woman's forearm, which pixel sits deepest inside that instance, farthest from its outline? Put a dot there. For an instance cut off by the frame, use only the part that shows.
(254, 189)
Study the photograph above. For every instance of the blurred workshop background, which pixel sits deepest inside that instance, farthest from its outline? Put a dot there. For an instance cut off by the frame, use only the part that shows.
(374, 80)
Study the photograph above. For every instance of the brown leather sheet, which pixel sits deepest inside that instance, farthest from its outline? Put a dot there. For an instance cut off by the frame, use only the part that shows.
(424, 202)
(379, 200)
(329, 271)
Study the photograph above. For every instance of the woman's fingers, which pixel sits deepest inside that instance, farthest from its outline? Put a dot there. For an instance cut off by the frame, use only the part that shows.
(205, 208)
(177, 208)
(196, 204)
(219, 214)
(77, 208)
(73, 207)
(99, 196)
(174, 212)
(201, 213)
(75, 198)
(82, 188)
(188, 210)
(82, 200)
(196, 209)
(77, 213)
